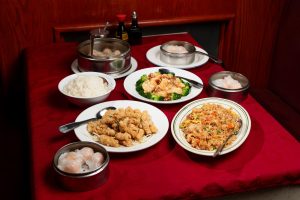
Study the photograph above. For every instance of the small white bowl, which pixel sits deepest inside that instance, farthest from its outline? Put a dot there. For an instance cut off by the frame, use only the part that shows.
(87, 101)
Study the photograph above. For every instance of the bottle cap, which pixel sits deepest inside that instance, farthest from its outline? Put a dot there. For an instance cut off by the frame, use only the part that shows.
(121, 17)
(134, 15)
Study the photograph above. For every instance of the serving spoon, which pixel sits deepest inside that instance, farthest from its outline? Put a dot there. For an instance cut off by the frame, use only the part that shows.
(216, 60)
(192, 82)
(221, 147)
(96, 33)
(70, 126)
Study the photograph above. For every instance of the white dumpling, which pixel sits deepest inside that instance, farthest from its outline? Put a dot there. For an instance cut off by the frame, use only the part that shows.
(95, 161)
(117, 53)
(70, 162)
(107, 51)
(86, 153)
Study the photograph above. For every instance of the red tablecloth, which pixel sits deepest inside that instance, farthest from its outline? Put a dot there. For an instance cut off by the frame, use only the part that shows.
(269, 157)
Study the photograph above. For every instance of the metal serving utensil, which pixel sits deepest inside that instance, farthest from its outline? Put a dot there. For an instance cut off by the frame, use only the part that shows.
(97, 33)
(221, 147)
(216, 60)
(70, 126)
(192, 82)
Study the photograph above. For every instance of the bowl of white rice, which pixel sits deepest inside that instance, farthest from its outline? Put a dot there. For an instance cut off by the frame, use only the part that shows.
(87, 88)
(228, 85)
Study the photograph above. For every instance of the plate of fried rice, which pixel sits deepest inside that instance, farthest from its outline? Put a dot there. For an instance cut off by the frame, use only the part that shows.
(203, 125)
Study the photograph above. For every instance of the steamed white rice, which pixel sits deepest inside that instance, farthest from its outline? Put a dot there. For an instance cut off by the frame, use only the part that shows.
(86, 86)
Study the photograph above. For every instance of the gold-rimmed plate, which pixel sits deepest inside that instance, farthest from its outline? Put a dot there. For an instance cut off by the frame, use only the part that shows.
(242, 135)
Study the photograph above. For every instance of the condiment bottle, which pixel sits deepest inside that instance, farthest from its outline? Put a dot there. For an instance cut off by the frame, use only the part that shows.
(135, 32)
(121, 32)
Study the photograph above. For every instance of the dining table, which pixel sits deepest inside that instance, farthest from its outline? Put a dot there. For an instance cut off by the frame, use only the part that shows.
(268, 158)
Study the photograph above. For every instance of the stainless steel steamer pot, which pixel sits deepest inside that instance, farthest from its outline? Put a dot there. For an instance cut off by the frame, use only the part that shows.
(237, 95)
(112, 65)
(82, 181)
(178, 58)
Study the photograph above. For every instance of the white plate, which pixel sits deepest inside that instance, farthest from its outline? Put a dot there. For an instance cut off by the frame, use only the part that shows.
(157, 116)
(153, 55)
(187, 109)
(133, 67)
(130, 81)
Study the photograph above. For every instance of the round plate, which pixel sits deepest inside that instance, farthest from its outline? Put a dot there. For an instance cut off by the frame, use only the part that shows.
(153, 55)
(133, 67)
(178, 135)
(130, 81)
(158, 117)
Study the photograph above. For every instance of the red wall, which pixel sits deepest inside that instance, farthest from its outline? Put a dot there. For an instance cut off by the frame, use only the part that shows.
(26, 23)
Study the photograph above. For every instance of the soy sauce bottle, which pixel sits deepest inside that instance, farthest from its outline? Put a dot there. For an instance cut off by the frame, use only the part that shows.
(135, 32)
(121, 32)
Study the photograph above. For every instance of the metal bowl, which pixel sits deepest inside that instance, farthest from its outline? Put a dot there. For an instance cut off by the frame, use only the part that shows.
(82, 181)
(236, 95)
(177, 58)
(107, 65)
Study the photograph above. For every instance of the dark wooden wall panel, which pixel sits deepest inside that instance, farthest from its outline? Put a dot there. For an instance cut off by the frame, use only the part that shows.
(27, 23)
(284, 76)
(255, 34)
(248, 50)
(282, 96)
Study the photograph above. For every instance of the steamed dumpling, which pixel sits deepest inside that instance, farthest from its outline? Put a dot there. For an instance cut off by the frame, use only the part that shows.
(80, 160)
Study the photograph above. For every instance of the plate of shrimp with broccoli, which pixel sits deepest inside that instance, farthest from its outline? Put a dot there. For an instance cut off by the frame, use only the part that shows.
(152, 86)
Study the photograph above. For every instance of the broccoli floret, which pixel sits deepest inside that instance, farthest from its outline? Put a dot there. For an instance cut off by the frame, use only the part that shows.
(156, 97)
(175, 96)
(139, 88)
(141, 80)
(148, 95)
(139, 83)
(144, 78)
(186, 90)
